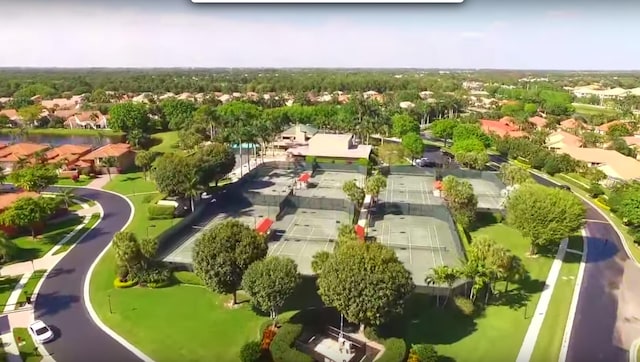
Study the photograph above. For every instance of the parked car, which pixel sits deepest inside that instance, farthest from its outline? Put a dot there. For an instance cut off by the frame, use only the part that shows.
(40, 332)
(425, 162)
(564, 187)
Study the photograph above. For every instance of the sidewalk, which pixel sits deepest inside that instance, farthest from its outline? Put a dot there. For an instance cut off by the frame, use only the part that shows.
(22, 317)
(530, 339)
(100, 181)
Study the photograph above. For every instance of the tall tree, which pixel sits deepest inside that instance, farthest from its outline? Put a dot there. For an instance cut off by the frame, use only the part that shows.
(413, 144)
(173, 173)
(35, 178)
(460, 199)
(403, 124)
(270, 282)
(129, 116)
(374, 185)
(365, 282)
(544, 215)
(354, 192)
(127, 249)
(512, 174)
(443, 275)
(144, 160)
(223, 254)
(238, 118)
(443, 129)
(216, 161)
(29, 212)
(178, 112)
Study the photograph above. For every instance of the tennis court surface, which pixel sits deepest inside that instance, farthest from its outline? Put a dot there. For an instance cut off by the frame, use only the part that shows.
(420, 242)
(413, 189)
(488, 189)
(301, 233)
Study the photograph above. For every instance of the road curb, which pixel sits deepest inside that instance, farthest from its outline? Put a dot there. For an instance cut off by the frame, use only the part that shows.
(633, 351)
(564, 349)
(87, 281)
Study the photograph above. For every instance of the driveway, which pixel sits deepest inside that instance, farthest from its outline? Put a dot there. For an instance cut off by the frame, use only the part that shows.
(606, 318)
(59, 302)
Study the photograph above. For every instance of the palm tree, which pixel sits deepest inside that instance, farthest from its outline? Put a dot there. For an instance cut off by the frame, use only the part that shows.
(21, 163)
(193, 189)
(66, 196)
(108, 163)
(446, 275)
(39, 157)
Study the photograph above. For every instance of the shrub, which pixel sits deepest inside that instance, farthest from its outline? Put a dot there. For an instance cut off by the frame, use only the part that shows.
(75, 177)
(423, 353)
(310, 160)
(123, 283)
(151, 274)
(595, 190)
(281, 346)
(372, 334)
(464, 305)
(603, 202)
(395, 350)
(160, 212)
(250, 352)
(363, 162)
(158, 285)
(498, 216)
(122, 271)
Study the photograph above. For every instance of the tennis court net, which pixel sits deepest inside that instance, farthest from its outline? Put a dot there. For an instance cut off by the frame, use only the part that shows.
(301, 238)
(416, 247)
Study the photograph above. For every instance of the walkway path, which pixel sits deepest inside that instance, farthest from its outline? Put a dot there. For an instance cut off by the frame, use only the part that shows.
(23, 316)
(530, 339)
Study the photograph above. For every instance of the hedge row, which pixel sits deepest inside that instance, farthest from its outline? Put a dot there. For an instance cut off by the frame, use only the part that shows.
(282, 349)
(160, 212)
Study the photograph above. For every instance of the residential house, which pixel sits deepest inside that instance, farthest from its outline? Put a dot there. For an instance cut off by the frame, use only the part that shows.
(225, 98)
(538, 122)
(617, 167)
(12, 114)
(65, 113)
(16, 152)
(407, 105)
(5, 100)
(426, 94)
(344, 98)
(604, 128)
(68, 157)
(633, 142)
(121, 152)
(504, 127)
(574, 125)
(143, 97)
(333, 146)
(562, 139)
(297, 135)
(6, 201)
(87, 119)
(61, 103)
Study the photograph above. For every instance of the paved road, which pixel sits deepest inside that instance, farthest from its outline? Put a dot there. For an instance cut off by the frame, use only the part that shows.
(596, 333)
(59, 302)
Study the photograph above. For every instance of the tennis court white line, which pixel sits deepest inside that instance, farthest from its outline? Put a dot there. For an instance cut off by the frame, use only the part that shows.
(410, 249)
(424, 191)
(285, 241)
(433, 253)
(438, 240)
(304, 246)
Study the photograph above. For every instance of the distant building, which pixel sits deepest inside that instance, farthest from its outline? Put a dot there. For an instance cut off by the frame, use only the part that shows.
(504, 127)
(334, 146)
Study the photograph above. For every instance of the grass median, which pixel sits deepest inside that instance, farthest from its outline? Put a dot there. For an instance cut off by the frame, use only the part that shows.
(28, 248)
(551, 334)
(85, 229)
(26, 346)
(30, 285)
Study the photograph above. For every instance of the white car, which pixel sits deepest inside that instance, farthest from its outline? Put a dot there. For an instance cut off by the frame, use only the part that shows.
(40, 332)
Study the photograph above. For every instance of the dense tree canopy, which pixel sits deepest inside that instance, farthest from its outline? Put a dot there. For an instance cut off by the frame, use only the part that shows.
(544, 215)
(365, 282)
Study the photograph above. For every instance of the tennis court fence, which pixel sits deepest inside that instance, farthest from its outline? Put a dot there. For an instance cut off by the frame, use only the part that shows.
(443, 249)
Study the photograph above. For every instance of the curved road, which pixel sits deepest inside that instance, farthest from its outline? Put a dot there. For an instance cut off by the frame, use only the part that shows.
(607, 316)
(60, 300)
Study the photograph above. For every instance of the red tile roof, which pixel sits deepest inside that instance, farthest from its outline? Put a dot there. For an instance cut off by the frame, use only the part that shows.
(538, 121)
(20, 150)
(503, 127)
(7, 199)
(110, 150)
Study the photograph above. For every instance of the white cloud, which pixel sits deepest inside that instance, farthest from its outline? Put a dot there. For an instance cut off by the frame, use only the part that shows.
(472, 35)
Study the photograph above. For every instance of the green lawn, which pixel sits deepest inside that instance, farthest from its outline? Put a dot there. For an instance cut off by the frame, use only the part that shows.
(27, 349)
(504, 321)
(29, 248)
(30, 285)
(550, 338)
(75, 207)
(82, 181)
(590, 109)
(130, 183)
(7, 284)
(168, 142)
(92, 222)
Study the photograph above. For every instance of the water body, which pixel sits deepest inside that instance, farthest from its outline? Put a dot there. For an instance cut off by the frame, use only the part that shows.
(57, 140)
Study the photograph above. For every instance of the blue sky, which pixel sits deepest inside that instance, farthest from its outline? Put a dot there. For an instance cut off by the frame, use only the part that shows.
(526, 34)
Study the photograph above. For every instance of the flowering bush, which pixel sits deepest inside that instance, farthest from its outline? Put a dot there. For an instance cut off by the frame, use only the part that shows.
(75, 177)
(123, 283)
(267, 337)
